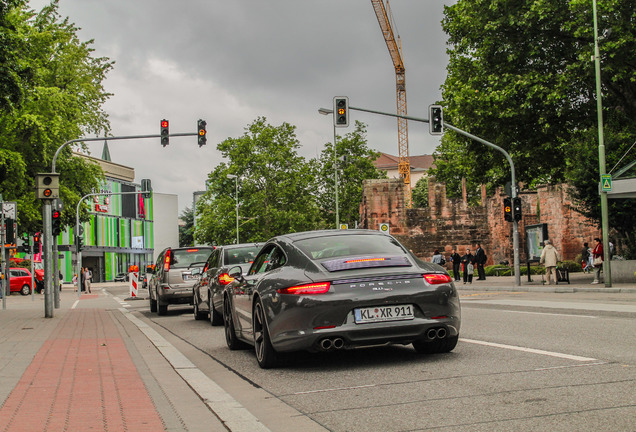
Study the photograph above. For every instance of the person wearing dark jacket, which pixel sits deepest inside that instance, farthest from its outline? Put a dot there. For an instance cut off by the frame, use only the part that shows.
(480, 260)
(468, 262)
(456, 259)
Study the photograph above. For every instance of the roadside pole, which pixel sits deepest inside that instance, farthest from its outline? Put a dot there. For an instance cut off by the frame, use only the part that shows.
(515, 227)
(48, 254)
(4, 261)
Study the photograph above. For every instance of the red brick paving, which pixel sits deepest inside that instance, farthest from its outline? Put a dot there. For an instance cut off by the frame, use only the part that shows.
(82, 379)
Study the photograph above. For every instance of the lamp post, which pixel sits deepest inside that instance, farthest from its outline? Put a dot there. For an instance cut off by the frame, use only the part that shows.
(607, 268)
(235, 177)
(325, 111)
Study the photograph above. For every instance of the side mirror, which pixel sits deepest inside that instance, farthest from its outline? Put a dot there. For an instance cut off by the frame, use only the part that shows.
(237, 273)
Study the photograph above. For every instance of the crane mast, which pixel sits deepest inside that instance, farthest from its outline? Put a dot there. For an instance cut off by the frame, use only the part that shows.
(395, 50)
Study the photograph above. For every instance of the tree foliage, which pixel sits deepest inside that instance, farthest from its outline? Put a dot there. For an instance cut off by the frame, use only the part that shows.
(520, 75)
(354, 160)
(60, 98)
(275, 188)
(419, 195)
(186, 231)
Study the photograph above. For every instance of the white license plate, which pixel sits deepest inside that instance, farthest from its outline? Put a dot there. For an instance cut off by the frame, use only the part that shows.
(187, 277)
(383, 313)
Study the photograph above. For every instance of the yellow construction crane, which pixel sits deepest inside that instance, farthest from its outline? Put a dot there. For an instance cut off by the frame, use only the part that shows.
(395, 50)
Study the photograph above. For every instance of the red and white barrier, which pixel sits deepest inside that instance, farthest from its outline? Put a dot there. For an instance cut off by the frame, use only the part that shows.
(133, 279)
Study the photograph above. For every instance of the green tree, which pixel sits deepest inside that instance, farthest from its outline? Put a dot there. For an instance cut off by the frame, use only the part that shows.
(275, 188)
(520, 76)
(419, 195)
(10, 92)
(186, 231)
(61, 99)
(355, 164)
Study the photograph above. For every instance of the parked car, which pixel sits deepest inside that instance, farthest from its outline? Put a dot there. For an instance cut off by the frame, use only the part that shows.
(121, 277)
(207, 293)
(172, 278)
(339, 289)
(20, 280)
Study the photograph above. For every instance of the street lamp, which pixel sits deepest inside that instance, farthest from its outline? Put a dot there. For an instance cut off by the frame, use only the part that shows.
(235, 177)
(325, 111)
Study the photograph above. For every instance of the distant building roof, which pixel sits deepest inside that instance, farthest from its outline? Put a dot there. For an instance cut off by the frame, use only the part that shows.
(418, 163)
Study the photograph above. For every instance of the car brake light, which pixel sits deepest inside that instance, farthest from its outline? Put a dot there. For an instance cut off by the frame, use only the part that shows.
(225, 279)
(437, 278)
(364, 260)
(166, 262)
(315, 288)
(192, 250)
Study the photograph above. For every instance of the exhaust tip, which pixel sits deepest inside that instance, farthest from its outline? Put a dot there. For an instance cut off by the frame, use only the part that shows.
(431, 334)
(338, 343)
(441, 333)
(325, 344)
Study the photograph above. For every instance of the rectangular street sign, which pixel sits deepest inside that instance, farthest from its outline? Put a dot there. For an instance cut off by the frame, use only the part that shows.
(606, 182)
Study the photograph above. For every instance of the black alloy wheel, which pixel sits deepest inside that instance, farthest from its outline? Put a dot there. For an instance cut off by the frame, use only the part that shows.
(233, 343)
(153, 304)
(216, 319)
(198, 315)
(266, 356)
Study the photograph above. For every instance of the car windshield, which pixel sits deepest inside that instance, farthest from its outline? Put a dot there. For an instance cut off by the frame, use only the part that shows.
(242, 255)
(349, 245)
(184, 258)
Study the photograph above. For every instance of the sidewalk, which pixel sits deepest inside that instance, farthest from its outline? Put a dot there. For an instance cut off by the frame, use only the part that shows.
(579, 282)
(88, 368)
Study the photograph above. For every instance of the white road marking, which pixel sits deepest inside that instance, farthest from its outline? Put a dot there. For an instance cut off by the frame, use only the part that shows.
(529, 350)
(554, 314)
(335, 389)
(75, 304)
(234, 415)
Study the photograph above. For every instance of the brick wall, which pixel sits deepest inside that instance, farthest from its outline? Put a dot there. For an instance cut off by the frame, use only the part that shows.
(452, 223)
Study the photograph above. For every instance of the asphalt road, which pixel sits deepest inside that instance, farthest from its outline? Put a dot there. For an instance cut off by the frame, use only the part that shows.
(525, 362)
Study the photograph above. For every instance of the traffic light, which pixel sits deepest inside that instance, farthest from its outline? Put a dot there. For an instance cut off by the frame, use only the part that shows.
(36, 242)
(79, 242)
(201, 124)
(341, 111)
(56, 217)
(508, 209)
(146, 188)
(165, 132)
(436, 119)
(48, 185)
(516, 208)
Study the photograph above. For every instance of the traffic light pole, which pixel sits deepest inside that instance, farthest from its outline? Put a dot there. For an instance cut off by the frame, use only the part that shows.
(48, 254)
(515, 226)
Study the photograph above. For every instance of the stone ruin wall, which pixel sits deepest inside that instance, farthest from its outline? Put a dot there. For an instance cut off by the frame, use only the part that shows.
(452, 223)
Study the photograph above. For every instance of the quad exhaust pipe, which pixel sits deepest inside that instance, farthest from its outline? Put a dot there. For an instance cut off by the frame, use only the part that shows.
(436, 333)
(327, 344)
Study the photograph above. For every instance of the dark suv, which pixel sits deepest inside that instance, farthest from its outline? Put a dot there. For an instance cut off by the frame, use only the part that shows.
(207, 293)
(172, 279)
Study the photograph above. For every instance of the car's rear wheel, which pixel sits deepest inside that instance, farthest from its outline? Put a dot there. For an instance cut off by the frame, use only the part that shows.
(232, 341)
(198, 315)
(436, 346)
(153, 305)
(25, 290)
(216, 319)
(266, 356)
(162, 309)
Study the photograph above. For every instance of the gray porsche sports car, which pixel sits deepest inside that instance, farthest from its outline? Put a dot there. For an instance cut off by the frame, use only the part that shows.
(339, 289)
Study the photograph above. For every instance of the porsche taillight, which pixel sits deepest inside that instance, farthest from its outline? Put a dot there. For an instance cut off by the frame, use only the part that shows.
(314, 288)
(437, 278)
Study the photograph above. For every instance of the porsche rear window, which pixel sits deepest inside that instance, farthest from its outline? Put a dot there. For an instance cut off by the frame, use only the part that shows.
(350, 245)
(244, 255)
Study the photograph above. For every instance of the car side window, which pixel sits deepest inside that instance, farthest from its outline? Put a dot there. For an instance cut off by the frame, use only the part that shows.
(277, 259)
(261, 261)
(213, 260)
(268, 260)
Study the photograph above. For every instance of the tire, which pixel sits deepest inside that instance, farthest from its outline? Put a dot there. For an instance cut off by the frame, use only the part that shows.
(233, 343)
(266, 356)
(198, 315)
(437, 346)
(216, 319)
(162, 309)
(26, 290)
(153, 305)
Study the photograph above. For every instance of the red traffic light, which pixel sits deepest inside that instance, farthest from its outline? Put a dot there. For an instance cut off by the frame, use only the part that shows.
(164, 123)
(47, 193)
(55, 214)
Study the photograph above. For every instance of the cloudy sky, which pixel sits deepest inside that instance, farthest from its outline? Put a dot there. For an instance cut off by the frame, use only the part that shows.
(230, 61)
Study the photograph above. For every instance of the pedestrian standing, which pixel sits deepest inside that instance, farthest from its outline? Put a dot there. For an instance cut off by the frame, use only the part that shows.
(75, 282)
(438, 258)
(480, 260)
(597, 260)
(585, 258)
(468, 262)
(549, 258)
(87, 280)
(456, 259)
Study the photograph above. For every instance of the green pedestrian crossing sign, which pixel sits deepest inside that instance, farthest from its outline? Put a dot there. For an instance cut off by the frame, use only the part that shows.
(606, 182)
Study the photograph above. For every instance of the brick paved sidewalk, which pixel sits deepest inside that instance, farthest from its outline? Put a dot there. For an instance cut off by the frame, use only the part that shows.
(81, 379)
